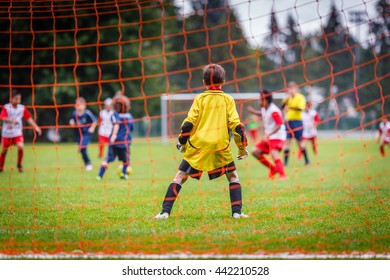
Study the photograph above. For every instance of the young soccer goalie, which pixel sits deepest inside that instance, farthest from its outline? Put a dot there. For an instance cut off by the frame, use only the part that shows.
(12, 115)
(274, 138)
(205, 141)
(84, 123)
(120, 138)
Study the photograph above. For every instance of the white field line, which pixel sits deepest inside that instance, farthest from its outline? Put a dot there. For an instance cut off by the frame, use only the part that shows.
(283, 256)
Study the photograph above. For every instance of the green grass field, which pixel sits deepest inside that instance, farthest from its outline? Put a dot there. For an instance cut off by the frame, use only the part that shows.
(339, 204)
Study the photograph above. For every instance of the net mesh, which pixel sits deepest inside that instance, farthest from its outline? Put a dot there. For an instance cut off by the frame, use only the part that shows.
(56, 51)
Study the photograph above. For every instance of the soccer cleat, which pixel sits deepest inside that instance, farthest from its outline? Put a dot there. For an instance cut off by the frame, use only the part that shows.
(164, 215)
(20, 168)
(239, 215)
(98, 178)
(124, 176)
(272, 173)
(283, 178)
(88, 167)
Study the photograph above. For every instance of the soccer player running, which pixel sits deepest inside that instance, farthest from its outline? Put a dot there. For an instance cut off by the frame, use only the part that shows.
(310, 119)
(205, 141)
(12, 115)
(384, 135)
(274, 138)
(105, 125)
(120, 138)
(84, 123)
(294, 103)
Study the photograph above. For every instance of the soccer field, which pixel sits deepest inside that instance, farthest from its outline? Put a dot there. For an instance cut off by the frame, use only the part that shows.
(340, 204)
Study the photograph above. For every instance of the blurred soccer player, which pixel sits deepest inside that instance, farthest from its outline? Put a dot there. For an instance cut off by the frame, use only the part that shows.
(105, 126)
(384, 135)
(294, 103)
(120, 138)
(84, 123)
(310, 119)
(253, 127)
(205, 141)
(274, 135)
(12, 115)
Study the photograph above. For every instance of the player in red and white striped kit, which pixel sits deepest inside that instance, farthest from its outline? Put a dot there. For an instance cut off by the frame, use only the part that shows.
(105, 125)
(275, 135)
(384, 135)
(12, 116)
(310, 119)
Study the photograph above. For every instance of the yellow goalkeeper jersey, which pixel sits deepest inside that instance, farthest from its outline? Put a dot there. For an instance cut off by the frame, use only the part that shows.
(295, 105)
(213, 115)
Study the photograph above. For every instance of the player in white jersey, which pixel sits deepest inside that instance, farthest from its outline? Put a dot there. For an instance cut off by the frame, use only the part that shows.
(310, 119)
(12, 115)
(105, 125)
(274, 138)
(384, 135)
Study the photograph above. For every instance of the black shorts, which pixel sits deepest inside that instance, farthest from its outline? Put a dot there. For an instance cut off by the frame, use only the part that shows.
(213, 174)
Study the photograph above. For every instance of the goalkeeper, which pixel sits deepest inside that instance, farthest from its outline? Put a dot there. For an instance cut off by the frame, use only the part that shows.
(205, 141)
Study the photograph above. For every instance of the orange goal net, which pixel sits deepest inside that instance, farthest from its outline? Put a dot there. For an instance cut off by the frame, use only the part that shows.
(152, 53)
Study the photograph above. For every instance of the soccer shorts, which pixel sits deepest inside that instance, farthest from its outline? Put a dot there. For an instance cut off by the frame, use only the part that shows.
(294, 129)
(84, 140)
(123, 154)
(271, 144)
(213, 174)
(7, 142)
(314, 138)
(103, 139)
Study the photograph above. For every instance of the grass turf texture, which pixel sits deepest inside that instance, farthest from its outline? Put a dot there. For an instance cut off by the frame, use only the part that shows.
(338, 204)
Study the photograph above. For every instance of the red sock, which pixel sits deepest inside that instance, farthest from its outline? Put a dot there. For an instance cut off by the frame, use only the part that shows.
(265, 162)
(279, 166)
(2, 160)
(101, 148)
(382, 149)
(20, 157)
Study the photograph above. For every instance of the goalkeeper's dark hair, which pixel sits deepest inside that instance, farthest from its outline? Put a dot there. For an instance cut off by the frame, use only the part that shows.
(213, 74)
(267, 95)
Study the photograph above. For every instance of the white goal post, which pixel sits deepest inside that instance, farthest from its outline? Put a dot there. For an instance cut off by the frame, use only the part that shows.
(166, 98)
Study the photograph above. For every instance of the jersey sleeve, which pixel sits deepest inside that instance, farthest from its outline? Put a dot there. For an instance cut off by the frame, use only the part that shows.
(3, 113)
(26, 114)
(235, 126)
(317, 118)
(193, 114)
(114, 119)
(277, 118)
(91, 116)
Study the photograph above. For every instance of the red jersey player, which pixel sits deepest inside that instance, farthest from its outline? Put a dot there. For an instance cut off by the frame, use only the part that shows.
(275, 135)
(384, 135)
(310, 119)
(12, 115)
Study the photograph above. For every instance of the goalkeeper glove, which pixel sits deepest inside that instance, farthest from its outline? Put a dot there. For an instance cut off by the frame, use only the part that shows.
(242, 153)
(180, 147)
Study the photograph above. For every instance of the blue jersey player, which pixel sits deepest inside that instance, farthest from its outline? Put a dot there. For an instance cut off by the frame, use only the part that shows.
(120, 139)
(84, 123)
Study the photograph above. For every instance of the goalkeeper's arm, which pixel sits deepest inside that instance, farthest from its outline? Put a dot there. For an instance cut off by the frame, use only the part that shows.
(184, 135)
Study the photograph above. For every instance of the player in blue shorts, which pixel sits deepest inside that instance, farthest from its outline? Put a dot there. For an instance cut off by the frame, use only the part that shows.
(84, 123)
(120, 138)
(294, 103)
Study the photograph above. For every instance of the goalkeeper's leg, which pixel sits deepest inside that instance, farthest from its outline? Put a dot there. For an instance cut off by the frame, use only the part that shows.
(172, 193)
(235, 194)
